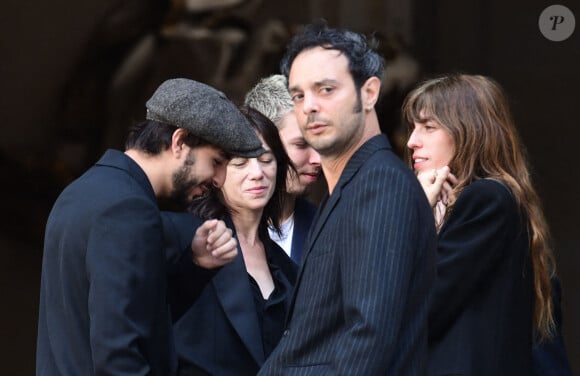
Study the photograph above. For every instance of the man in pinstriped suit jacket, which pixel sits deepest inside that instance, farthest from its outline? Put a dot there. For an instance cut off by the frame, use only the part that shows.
(361, 300)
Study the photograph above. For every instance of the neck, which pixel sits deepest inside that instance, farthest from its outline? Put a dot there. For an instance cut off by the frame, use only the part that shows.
(247, 223)
(333, 165)
(155, 169)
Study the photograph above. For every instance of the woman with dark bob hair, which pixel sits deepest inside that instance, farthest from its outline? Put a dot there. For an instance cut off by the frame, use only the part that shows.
(238, 318)
(492, 297)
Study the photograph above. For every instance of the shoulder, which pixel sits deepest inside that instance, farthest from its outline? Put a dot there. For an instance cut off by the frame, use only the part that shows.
(487, 192)
(486, 201)
(375, 156)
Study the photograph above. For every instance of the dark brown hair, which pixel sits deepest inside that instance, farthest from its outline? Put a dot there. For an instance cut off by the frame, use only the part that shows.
(211, 205)
(474, 110)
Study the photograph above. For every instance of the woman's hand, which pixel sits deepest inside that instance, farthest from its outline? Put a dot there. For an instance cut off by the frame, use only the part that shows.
(438, 185)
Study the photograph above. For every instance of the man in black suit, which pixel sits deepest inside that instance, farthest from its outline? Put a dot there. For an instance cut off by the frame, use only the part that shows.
(103, 303)
(362, 295)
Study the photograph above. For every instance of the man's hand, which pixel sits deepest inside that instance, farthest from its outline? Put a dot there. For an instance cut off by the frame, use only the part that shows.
(213, 245)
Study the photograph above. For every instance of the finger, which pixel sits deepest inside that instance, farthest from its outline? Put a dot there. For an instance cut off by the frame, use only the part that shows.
(226, 250)
(226, 257)
(452, 178)
(225, 234)
(216, 231)
(440, 179)
(206, 228)
(425, 178)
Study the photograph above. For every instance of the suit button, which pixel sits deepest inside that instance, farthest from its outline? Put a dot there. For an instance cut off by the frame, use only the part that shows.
(286, 332)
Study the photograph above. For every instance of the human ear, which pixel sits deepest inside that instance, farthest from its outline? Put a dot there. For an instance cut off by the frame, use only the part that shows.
(370, 92)
(177, 142)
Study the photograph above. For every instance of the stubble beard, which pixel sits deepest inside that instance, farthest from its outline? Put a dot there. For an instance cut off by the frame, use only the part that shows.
(335, 145)
(182, 184)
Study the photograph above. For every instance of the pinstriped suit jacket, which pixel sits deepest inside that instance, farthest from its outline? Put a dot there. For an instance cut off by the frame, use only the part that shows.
(362, 295)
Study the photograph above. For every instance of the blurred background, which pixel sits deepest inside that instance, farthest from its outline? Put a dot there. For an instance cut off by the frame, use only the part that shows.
(74, 75)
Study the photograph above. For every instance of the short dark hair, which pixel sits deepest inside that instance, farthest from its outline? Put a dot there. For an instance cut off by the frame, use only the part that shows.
(152, 137)
(363, 59)
(211, 206)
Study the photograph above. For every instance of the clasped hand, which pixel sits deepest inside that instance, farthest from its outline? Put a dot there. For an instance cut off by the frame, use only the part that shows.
(213, 244)
(438, 185)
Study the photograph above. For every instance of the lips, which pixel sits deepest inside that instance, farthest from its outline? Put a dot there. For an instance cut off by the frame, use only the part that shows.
(418, 161)
(310, 175)
(257, 190)
(316, 128)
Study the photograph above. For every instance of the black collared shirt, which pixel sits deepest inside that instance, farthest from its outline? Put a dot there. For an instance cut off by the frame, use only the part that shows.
(272, 311)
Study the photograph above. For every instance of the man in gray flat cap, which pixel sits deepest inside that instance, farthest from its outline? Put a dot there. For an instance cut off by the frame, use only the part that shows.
(108, 249)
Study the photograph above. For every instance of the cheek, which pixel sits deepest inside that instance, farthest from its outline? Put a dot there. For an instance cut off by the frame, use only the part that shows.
(231, 177)
(203, 173)
(271, 171)
(229, 191)
(297, 156)
(270, 174)
(449, 156)
(301, 118)
(450, 147)
(220, 176)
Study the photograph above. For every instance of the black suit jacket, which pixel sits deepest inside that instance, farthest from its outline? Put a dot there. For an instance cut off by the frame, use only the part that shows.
(103, 306)
(217, 331)
(481, 318)
(304, 212)
(361, 301)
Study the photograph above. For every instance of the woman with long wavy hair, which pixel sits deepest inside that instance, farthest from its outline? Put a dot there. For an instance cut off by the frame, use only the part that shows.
(492, 298)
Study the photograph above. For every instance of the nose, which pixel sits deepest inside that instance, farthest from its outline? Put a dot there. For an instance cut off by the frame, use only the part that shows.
(310, 104)
(413, 142)
(219, 176)
(255, 169)
(313, 157)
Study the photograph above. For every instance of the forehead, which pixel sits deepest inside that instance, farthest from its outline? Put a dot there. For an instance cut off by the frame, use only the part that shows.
(288, 125)
(317, 64)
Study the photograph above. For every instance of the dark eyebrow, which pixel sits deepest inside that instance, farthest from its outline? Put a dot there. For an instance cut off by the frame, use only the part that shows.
(327, 81)
(292, 88)
(317, 84)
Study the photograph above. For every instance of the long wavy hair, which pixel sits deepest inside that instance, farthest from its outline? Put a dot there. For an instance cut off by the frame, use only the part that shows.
(474, 110)
(212, 204)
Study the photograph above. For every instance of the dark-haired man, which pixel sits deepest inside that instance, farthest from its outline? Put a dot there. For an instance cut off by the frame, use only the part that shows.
(362, 295)
(103, 303)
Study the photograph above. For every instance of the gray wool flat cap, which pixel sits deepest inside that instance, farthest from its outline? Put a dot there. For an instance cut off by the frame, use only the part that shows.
(206, 113)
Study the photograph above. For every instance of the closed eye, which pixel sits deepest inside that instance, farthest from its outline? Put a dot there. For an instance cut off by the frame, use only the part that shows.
(238, 162)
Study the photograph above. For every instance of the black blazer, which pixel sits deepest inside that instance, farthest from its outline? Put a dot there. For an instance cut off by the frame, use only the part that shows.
(219, 333)
(361, 301)
(103, 307)
(304, 212)
(480, 321)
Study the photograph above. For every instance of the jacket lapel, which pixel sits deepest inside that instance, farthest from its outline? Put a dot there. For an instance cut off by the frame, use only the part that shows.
(235, 296)
(329, 202)
(327, 206)
(303, 216)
